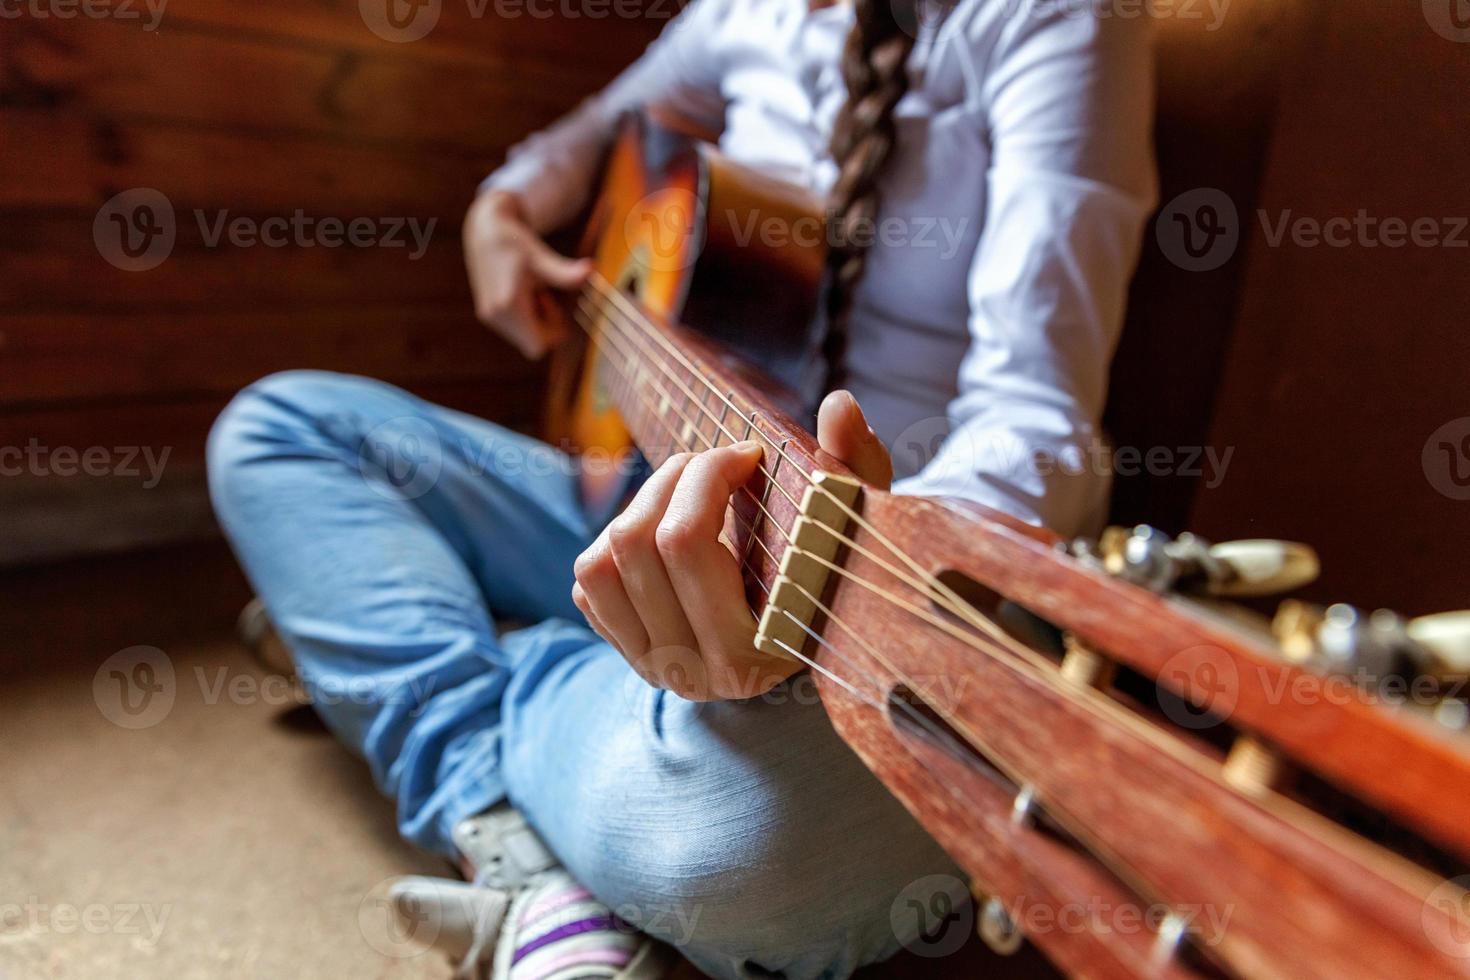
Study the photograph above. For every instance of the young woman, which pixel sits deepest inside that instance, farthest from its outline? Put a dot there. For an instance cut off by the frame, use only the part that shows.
(1004, 145)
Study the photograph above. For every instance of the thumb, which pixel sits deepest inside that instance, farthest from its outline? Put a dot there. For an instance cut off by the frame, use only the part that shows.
(843, 432)
(556, 270)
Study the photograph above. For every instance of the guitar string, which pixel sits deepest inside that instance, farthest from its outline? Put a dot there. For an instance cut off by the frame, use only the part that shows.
(711, 443)
(951, 602)
(943, 740)
(1110, 712)
(951, 599)
(1301, 818)
(785, 533)
(1116, 863)
(791, 544)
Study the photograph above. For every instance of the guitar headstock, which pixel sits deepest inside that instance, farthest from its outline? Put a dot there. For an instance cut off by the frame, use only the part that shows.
(1105, 721)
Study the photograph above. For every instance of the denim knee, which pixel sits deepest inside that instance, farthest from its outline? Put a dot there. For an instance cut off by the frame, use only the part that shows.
(750, 874)
(288, 409)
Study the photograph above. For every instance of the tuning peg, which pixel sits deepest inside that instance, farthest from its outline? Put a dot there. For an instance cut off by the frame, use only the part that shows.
(1262, 566)
(1148, 557)
(1295, 628)
(1254, 767)
(1085, 667)
(996, 927)
(1446, 638)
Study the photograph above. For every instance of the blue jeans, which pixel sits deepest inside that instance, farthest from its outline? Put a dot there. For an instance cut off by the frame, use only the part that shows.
(388, 537)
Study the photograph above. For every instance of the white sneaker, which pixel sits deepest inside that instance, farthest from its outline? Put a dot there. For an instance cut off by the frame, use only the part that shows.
(260, 638)
(553, 929)
(525, 917)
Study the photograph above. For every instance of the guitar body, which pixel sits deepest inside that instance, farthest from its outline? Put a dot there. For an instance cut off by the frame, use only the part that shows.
(728, 251)
(1175, 792)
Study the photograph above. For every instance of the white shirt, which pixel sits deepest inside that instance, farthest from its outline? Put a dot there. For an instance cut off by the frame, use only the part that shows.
(982, 331)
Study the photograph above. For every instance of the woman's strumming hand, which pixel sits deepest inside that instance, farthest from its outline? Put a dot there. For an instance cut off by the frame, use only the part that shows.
(510, 269)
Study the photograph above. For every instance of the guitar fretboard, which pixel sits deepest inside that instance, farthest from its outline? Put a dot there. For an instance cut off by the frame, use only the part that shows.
(676, 398)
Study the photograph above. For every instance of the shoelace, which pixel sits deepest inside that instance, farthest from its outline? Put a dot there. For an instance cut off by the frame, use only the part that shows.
(486, 931)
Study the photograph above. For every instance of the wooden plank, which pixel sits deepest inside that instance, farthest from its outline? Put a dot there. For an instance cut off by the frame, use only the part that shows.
(179, 425)
(247, 83)
(144, 485)
(64, 160)
(586, 33)
(131, 475)
(53, 357)
(52, 519)
(54, 265)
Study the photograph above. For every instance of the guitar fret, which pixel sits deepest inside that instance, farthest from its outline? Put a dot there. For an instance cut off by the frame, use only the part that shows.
(704, 416)
(686, 424)
(720, 427)
(763, 512)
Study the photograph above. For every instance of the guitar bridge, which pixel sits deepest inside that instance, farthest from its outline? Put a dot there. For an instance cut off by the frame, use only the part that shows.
(802, 577)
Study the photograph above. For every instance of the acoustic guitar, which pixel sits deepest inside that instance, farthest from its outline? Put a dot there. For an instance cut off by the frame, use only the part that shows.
(1141, 778)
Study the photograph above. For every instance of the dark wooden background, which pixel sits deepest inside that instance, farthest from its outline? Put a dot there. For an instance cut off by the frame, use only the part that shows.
(260, 108)
(1323, 370)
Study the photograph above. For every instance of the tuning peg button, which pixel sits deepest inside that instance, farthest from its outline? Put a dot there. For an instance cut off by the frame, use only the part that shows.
(1146, 556)
(1446, 638)
(1261, 567)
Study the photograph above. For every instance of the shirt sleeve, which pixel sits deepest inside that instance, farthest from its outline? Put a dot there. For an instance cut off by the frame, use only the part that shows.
(553, 170)
(1067, 100)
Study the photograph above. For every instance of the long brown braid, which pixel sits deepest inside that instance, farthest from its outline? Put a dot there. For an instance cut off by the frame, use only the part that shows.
(875, 68)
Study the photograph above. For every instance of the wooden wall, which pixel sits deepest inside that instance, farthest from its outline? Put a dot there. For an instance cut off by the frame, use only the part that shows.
(260, 109)
(1324, 371)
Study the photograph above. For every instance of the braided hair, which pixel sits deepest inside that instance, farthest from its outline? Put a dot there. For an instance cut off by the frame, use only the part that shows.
(875, 68)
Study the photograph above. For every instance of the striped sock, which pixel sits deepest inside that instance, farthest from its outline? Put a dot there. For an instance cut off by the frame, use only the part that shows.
(556, 930)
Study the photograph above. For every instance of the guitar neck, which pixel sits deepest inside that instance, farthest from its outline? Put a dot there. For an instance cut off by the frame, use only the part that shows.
(678, 393)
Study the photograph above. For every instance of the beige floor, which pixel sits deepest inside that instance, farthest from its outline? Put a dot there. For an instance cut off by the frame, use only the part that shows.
(233, 837)
(220, 842)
